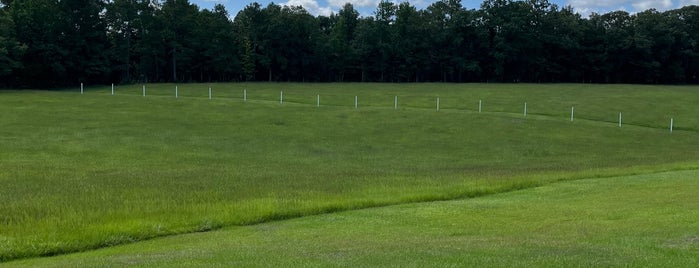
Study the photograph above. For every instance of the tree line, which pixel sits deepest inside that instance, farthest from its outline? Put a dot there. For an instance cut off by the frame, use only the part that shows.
(52, 43)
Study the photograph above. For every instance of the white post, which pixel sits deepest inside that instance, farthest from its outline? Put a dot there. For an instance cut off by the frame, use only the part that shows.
(619, 119)
(81, 88)
(281, 97)
(437, 104)
(318, 100)
(525, 109)
(144, 90)
(245, 95)
(209, 92)
(672, 123)
(395, 103)
(480, 105)
(176, 93)
(112, 89)
(356, 102)
(572, 113)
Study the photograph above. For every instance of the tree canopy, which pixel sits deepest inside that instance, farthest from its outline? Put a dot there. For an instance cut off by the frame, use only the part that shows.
(52, 43)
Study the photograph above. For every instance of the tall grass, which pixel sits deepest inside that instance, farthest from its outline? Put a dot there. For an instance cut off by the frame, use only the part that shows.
(94, 170)
(640, 221)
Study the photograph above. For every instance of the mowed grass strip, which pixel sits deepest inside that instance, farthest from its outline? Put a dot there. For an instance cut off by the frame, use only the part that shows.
(87, 171)
(634, 221)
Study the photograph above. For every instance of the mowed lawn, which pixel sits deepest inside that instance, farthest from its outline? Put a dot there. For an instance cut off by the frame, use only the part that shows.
(85, 171)
(632, 221)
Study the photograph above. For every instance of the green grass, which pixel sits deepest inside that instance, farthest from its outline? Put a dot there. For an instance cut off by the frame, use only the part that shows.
(634, 221)
(644, 105)
(87, 171)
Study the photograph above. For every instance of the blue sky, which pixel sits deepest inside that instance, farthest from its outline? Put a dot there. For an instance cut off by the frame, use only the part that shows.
(366, 7)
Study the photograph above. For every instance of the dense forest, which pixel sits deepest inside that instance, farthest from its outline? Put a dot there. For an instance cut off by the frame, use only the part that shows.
(53, 43)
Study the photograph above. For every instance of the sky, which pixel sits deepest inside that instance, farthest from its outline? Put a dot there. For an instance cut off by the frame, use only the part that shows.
(367, 7)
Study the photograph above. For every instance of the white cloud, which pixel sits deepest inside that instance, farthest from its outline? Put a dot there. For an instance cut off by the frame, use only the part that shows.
(311, 6)
(597, 4)
(365, 7)
(355, 3)
(688, 3)
(648, 4)
(586, 7)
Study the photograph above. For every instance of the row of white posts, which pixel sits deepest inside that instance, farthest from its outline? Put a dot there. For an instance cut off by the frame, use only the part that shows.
(356, 103)
(82, 91)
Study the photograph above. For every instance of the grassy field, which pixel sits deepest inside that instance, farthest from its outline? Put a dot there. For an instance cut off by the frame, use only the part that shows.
(635, 221)
(643, 105)
(94, 170)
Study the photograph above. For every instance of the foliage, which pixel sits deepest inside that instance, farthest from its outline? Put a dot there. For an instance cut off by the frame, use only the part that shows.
(10, 49)
(49, 43)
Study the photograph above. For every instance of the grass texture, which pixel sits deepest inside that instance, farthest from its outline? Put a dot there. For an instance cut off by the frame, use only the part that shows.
(635, 221)
(87, 171)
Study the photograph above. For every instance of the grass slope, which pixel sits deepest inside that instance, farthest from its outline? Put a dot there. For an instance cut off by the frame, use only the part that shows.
(634, 221)
(644, 105)
(94, 170)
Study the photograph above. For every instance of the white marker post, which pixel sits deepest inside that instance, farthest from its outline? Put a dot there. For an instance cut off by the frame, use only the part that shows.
(245, 95)
(281, 97)
(525, 109)
(81, 88)
(209, 92)
(318, 100)
(112, 89)
(356, 102)
(176, 93)
(572, 113)
(437, 104)
(619, 119)
(144, 90)
(672, 123)
(480, 105)
(395, 103)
